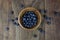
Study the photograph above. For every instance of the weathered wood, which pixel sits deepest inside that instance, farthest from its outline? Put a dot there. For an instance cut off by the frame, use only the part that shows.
(11, 31)
(52, 31)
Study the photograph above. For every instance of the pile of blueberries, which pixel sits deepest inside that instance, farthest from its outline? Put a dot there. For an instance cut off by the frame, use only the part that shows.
(29, 19)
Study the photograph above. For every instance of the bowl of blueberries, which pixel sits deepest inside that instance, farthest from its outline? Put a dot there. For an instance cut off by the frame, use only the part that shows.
(29, 18)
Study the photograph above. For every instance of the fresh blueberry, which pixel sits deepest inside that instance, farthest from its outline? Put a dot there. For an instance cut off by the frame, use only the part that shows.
(22, 5)
(7, 28)
(16, 18)
(12, 12)
(17, 24)
(46, 17)
(35, 35)
(12, 20)
(41, 30)
(56, 13)
(14, 23)
(48, 22)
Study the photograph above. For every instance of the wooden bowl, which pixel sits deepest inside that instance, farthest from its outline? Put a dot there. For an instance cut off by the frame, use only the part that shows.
(22, 12)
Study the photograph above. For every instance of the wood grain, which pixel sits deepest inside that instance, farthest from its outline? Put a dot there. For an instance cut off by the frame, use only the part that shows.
(16, 33)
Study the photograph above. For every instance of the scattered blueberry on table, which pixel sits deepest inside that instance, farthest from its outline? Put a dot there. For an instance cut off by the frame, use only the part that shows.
(12, 12)
(14, 23)
(56, 13)
(16, 18)
(35, 35)
(29, 19)
(48, 22)
(7, 28)
(42, 11)
(17, 24)
(41, 30)
(46, 17)
(21, 6)
(12, 20)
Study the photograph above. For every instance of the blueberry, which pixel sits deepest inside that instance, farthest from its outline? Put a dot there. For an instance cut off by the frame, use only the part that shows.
(16, 18)
(7, 28)
(41, 30)
(34, 18)
(12, 12)
(23, 23)
(35, 35)
(56, 13)
(24, 19)
(43, 11)
(27, 19)
(31, 23)
(48, 22)
(22, 5)
(12, 20)
(15, 23)
(39, 10)
(46, 17)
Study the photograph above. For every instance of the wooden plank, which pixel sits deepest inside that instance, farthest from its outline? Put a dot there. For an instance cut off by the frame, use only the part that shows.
(51, 30)
(15, 32)
(1, 32)
(25, 35)
(4, 17)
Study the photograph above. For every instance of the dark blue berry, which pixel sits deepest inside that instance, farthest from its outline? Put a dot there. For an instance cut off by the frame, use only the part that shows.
(35, 35)
(17, 24)
(7, 28)
(41, 30)
(42, 11)
(39, 10)
(48, 22)
(12, 20)
(14, 23)
(56, 13)
(22, 5)
(16, 18)
(12, 12)
(46, 17)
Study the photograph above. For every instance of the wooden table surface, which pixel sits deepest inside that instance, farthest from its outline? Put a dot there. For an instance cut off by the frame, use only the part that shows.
(9, 11)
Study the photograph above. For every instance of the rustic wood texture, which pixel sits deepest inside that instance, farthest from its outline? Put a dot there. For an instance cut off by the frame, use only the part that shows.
(52, 31)
(10, 31)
